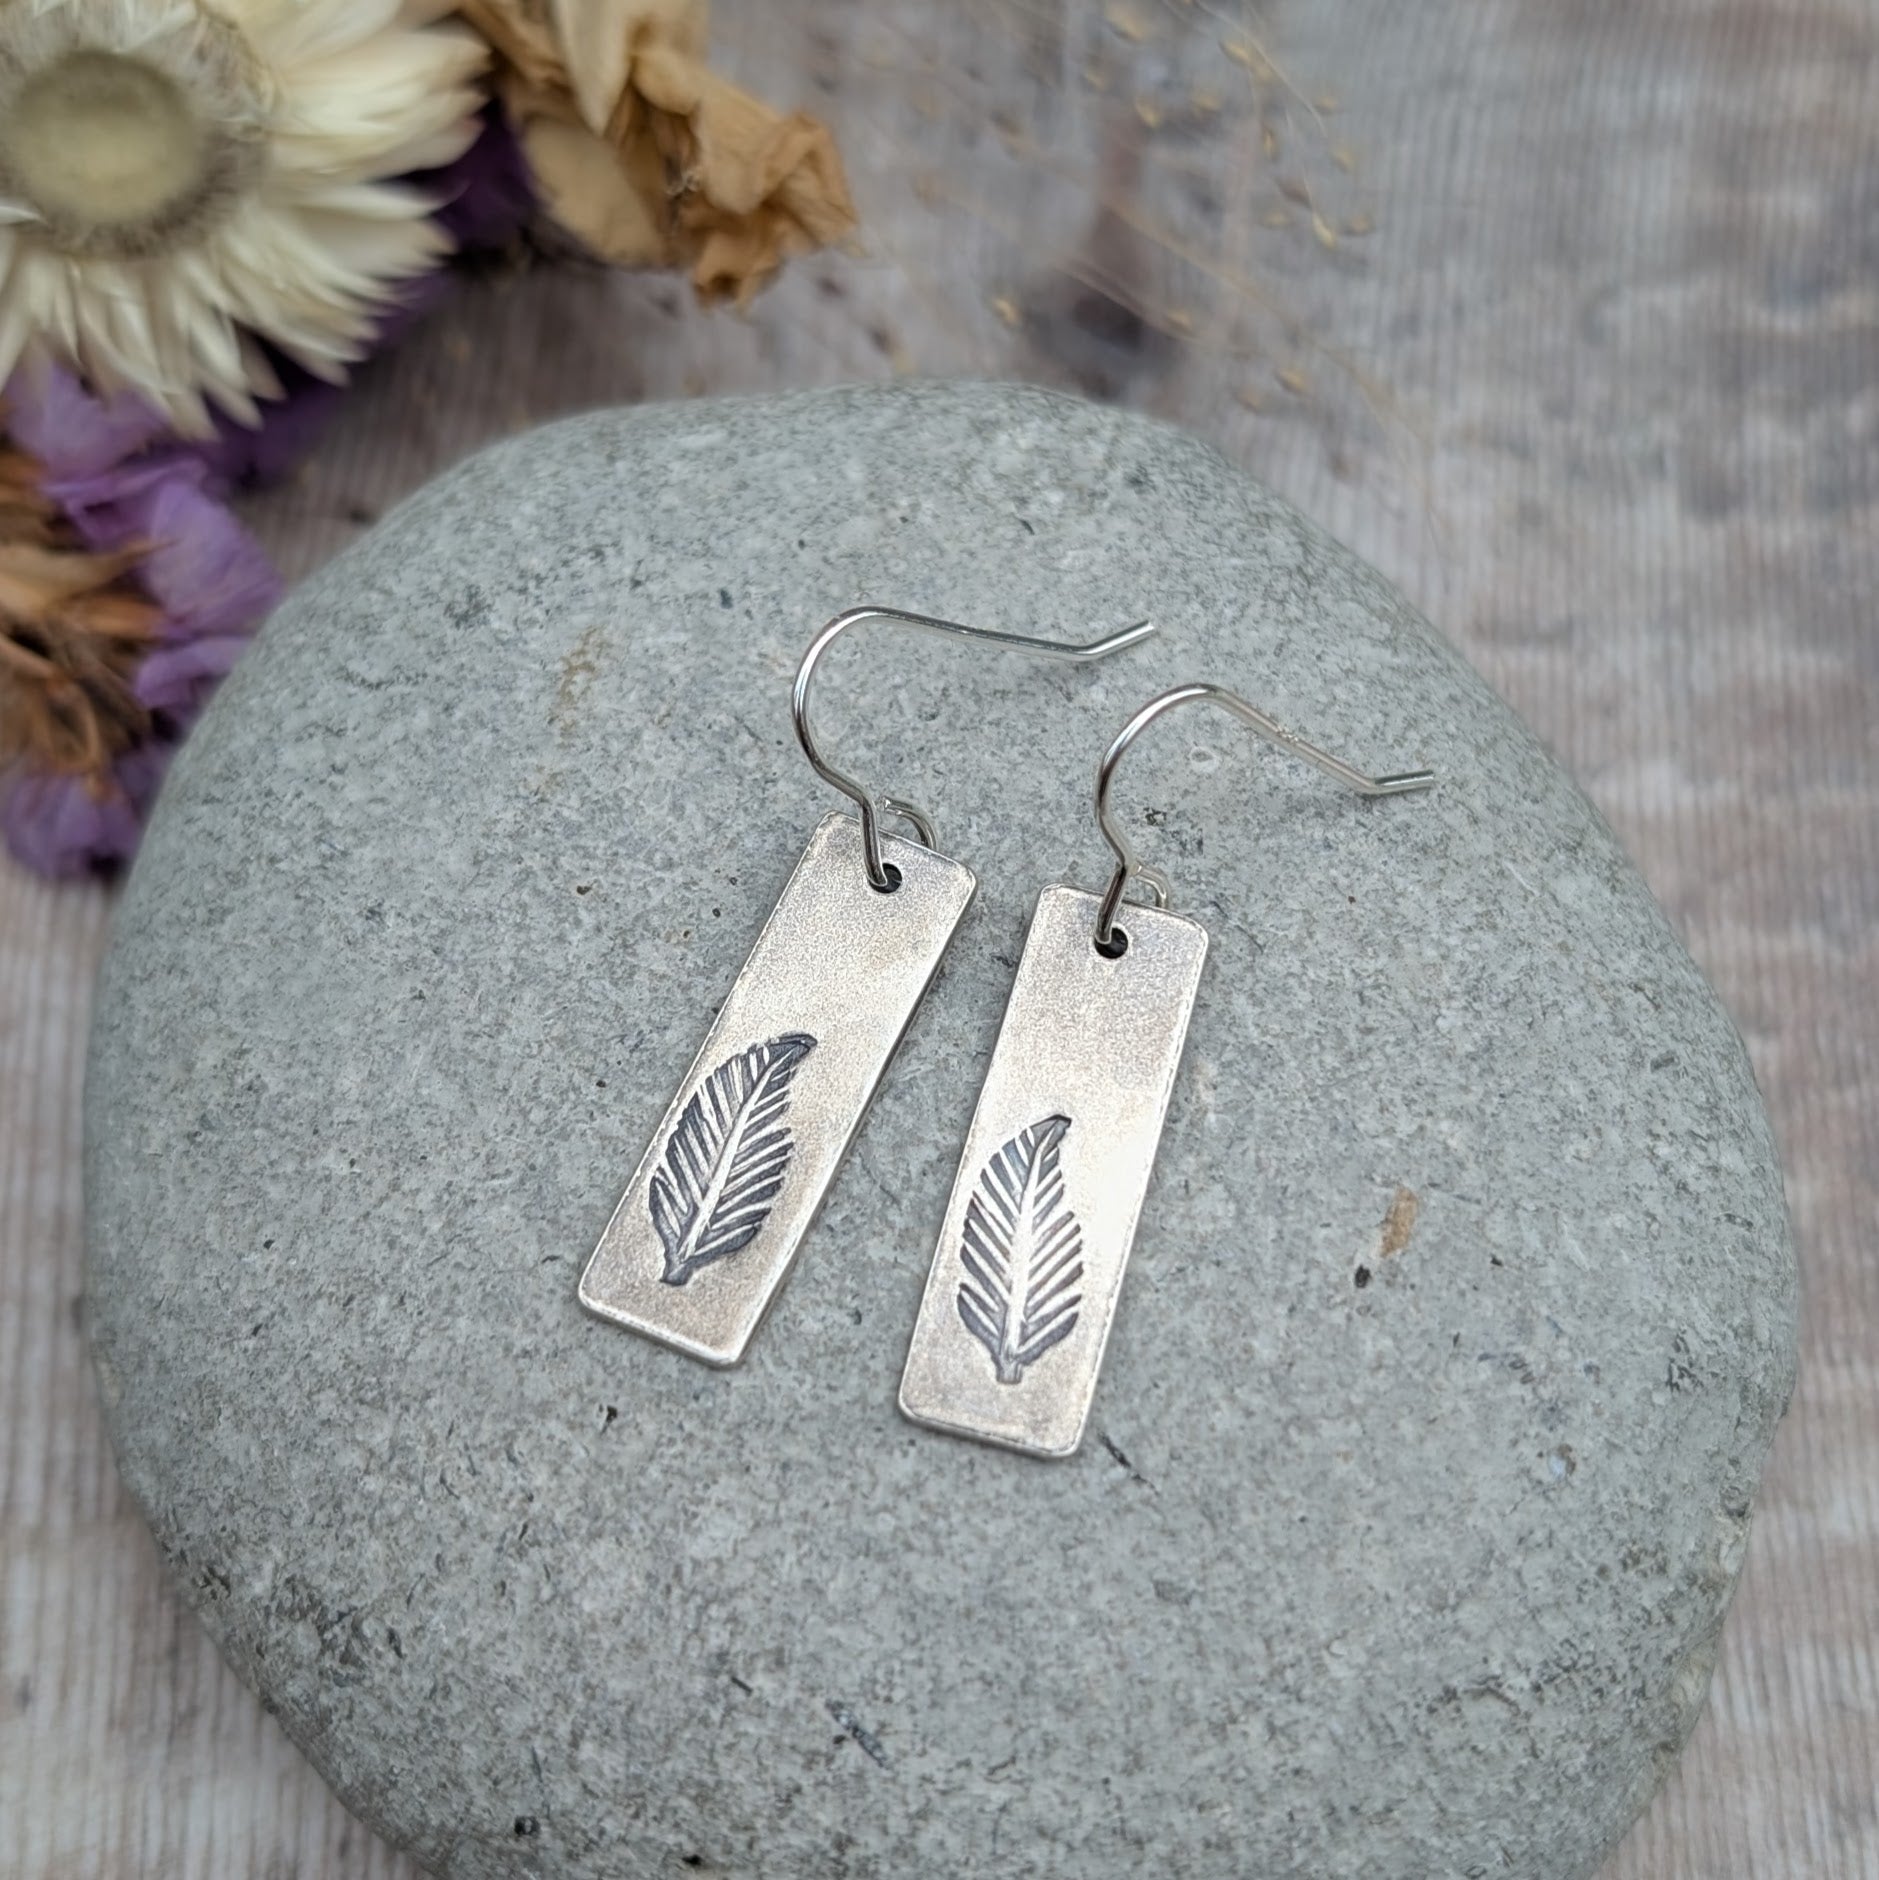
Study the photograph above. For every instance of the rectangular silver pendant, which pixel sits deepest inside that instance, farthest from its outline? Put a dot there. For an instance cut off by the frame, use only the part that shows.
(1023, 1287)
(731, 1182)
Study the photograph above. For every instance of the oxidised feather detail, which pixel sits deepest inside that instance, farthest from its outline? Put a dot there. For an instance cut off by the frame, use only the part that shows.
(1023, 1253)
(726, 1159)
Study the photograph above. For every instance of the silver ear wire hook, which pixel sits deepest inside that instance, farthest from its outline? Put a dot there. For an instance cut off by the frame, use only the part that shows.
(1127, 863)
(873, 808)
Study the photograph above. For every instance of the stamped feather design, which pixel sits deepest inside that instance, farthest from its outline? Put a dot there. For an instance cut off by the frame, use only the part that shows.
(1022, 1250)
(727, 1156)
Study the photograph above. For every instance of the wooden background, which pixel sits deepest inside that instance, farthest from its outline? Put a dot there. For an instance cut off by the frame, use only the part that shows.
(1564, 312)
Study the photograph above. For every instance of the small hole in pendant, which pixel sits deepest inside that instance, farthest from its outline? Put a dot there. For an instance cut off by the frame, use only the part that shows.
(893, 879)
(1115, 946)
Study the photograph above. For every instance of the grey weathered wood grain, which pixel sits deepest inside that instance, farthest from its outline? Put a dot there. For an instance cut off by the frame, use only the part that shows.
(1600, 391)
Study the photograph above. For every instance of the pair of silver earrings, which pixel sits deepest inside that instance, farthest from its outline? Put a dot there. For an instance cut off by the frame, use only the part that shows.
(1023, 1286)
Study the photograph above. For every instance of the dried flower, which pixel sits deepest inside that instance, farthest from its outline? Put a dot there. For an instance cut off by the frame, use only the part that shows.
(126, 592)
(486, 197)
(61, 825)
(178, 179)
(484, 201)
(649, 157)
(72, 631)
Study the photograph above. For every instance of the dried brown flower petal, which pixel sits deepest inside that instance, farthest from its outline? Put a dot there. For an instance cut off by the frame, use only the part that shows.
(523, 35)
(26, 512)
(72, 629)
(754, 188)
(649, 157)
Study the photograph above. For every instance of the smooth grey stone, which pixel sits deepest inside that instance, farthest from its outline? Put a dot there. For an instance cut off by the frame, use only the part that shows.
(1378, 1563)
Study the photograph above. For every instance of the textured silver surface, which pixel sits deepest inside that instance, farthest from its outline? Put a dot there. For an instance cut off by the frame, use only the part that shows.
(838, 964)
(1092, 1043)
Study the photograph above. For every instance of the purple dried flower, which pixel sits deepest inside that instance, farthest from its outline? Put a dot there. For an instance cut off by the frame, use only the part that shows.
(73, 433)
(487, 197)
(67, 826)
(203, 568)
(210, 582)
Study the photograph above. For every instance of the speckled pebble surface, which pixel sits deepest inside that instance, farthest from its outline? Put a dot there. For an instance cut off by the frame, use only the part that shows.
(1459, 1322)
